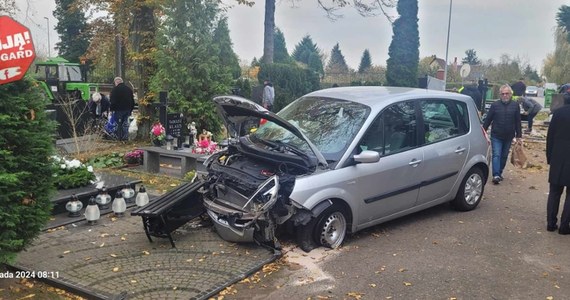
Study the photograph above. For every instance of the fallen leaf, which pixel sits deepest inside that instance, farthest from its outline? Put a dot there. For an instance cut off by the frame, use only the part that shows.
(173, 184)
(355, 295)
(66, 251)
(133, 281)
(87, 258)
(146, 252)
(549, 298)
(123, 238)
(116, 269)
(372, 285)
(402, 270)
(28, 296)
(461, 222)
(113, 255)
(189, 260)
(407, 283)
(104, 235)
(102, 244)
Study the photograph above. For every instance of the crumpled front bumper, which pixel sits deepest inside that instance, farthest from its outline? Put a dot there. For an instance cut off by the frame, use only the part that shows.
(237, 224)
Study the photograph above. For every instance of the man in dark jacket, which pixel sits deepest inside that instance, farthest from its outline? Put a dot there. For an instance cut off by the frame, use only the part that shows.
(519, 88)
(122, 105)
(505, 116)
(531, 109)
(557, 149)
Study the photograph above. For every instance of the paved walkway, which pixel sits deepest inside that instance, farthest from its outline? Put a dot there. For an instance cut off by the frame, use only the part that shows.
(114, 260)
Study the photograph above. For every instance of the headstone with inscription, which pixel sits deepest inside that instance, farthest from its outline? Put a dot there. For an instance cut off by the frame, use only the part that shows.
(174, 124)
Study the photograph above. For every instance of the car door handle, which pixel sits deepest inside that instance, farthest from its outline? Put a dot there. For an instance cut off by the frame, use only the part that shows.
(460, 150)
(415, 162)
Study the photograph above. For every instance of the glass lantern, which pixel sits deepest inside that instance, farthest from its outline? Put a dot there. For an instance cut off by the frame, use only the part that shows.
(169, 141)
(119, 205)
(74, 206)
(92, 212)
(128, 193)
(103, 199)
(142, 197)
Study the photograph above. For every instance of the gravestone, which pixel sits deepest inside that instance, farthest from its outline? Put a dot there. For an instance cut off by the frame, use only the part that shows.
(174, 125)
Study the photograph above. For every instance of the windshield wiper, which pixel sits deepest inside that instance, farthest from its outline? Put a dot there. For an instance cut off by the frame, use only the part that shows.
(283, 147)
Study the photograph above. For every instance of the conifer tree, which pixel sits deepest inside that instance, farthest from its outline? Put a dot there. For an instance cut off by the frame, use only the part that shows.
(337, 64)
(73, 30)
(365, 62)
(186, 67)
(25, 172)
(307, 52)
(280, 54)
(228, 58)
(404, 55)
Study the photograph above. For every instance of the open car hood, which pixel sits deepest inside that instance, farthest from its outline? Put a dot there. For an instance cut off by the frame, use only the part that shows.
(235, 110)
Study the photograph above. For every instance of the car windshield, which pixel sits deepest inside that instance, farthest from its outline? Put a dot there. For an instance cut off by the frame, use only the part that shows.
(330, 124)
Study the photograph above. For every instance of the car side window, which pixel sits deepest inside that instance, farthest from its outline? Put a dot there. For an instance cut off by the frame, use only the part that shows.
(394, 130)
(442, 120)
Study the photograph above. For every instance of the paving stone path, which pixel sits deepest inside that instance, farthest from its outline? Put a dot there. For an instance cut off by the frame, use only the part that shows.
(114, 259)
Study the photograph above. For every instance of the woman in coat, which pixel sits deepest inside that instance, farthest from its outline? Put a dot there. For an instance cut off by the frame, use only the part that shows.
(558, 157)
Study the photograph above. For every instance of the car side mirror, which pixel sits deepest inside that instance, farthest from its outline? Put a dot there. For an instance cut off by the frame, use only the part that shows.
(367, 156)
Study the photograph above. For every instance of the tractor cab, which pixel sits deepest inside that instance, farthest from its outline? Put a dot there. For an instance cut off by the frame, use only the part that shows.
(62, 79)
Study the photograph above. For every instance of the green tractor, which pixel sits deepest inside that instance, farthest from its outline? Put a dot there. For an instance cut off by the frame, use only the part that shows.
(62, 79)
(68, 92)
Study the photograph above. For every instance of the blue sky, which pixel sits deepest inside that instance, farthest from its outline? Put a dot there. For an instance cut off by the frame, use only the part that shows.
(523, 28)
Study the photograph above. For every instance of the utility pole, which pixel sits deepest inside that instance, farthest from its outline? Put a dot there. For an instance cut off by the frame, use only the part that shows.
(49, 44)
(447, 48)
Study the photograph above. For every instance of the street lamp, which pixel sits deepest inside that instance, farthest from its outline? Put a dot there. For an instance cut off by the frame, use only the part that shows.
(447, 47)
(49, 44)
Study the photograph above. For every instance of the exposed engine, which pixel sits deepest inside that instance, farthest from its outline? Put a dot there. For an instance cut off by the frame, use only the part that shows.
(249, 196)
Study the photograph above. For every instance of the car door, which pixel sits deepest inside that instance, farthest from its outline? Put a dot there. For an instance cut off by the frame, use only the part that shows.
(390, 185)
(445, 146)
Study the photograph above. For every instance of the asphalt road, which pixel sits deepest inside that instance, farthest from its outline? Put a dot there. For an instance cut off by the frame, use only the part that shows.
(501, 250)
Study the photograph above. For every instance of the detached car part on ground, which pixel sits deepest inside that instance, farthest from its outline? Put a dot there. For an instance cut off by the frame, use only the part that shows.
(339, 160)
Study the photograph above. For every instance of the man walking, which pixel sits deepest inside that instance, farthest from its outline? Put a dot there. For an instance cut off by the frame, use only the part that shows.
(268, 95)
(519, 88)
(122, 105)
(557, 149)
(505, 117)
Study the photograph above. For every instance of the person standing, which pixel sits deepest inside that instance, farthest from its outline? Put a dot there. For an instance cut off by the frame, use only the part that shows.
(505, 117)
(519, 88)
(268, 95)
(122, 105)
(531, 109)
(557, 149)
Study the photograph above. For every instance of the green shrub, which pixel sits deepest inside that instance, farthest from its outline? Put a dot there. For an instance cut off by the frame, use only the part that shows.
(114, 159)
(71, 173)
(290, 82)
(26, 181)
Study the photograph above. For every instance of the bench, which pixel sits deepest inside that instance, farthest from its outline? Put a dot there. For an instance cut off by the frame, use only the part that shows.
(168, 212)
(188, 161)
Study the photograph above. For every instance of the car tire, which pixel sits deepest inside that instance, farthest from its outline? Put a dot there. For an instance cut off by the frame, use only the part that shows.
(331, 227)
(471, 190)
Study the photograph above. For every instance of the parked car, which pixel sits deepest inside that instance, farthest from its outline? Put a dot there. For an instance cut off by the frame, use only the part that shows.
(339, 160)
(531, 90)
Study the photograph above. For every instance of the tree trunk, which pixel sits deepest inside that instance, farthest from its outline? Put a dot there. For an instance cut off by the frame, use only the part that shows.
(269, 31)
(142, 37)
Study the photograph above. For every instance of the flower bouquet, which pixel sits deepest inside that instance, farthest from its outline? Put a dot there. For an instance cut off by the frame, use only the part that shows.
(71, 173)
(157, 134)
(134, 157)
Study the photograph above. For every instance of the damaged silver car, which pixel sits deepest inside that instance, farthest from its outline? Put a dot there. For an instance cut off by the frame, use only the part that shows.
(339, 160)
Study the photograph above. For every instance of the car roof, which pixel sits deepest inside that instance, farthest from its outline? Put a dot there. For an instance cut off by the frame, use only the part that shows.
(375, 96)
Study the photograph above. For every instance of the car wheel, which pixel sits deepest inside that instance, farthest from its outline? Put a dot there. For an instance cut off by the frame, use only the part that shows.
(471, 190)
(330, 230)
